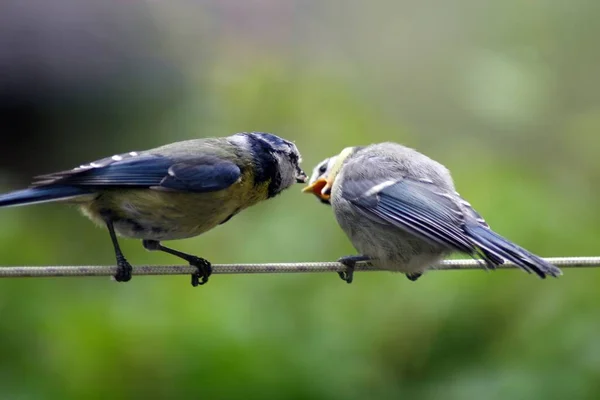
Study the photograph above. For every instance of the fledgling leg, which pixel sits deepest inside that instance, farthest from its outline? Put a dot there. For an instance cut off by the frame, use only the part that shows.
(413, 276)
(350, 263)
(202, 265)
(123, 267)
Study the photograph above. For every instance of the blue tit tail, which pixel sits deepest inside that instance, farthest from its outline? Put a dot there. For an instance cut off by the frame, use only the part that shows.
(495, 249)
(40, 195)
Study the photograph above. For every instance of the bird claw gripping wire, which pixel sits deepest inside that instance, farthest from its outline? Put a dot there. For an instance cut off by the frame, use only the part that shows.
(350, 263)
(124, 270)
(204, 270)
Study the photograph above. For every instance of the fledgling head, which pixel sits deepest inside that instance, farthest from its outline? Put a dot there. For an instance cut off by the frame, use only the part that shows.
(322, 169)
(275, 160)
(325, 172)
(320, 172)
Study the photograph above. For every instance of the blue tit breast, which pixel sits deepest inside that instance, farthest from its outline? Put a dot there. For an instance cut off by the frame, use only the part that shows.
(166, 215)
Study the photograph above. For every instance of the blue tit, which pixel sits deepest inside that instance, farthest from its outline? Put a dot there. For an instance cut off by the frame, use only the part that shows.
(176, 191)
(400, 210)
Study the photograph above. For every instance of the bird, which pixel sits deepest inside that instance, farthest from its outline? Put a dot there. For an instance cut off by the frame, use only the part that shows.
(176, 191)
(401, 211)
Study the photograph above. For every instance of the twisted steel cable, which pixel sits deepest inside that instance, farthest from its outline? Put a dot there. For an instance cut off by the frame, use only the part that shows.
(300, 267)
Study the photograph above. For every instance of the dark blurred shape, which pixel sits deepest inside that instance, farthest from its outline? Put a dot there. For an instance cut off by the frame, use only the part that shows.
(70, 73)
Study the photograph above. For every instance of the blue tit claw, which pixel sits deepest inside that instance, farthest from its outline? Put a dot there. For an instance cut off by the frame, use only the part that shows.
(124, 270)
(414, 276)
(204, 270)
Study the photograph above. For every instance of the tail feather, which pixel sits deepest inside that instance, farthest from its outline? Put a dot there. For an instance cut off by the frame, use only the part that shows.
(494, 246)
(40, 195)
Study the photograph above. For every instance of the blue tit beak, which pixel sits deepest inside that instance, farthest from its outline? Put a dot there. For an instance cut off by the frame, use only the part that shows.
(300, 176)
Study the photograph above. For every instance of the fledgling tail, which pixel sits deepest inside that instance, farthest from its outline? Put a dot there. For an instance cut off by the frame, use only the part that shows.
(494, 246)
(40, 195)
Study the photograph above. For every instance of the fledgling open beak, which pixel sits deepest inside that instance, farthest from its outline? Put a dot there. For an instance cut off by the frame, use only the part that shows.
(320, 188)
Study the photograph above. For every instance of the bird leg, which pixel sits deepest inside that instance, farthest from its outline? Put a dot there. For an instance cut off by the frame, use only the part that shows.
(123, 267)
(413, 276)
(350, 262)
(202, 265)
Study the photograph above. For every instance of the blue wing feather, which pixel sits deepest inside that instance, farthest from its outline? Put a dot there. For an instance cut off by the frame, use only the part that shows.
(418, 207)
(196, 174)
(201, 177)
(415, 207)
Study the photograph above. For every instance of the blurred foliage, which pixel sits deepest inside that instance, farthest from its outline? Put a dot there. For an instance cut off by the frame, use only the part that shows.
(506, 94)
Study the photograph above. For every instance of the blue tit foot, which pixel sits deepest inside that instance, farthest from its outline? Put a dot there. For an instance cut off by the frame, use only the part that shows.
(204, 270)
(124, 270)
(414, 276)
(350, 263)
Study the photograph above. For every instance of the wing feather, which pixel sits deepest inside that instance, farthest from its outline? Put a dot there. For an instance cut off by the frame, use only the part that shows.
(205, 173)
(414, 206)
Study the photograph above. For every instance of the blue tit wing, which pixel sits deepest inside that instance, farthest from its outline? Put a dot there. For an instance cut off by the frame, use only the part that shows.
(204, 177)
(202, 173)
(414, 206)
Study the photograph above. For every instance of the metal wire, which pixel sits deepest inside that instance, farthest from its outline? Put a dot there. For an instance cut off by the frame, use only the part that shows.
(107, 270)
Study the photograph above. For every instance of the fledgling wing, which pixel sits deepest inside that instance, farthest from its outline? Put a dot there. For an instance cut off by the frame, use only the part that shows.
(442, 217)
(494, 245)
(414, 206)
(204, 173)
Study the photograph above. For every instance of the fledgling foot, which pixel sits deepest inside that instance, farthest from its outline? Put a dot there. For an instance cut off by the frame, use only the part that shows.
(413, 276)
(124, 270)
(204, 270)
(347, 275)
(350, 263)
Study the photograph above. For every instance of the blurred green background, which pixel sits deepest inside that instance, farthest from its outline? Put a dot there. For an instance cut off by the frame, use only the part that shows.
(505, 93)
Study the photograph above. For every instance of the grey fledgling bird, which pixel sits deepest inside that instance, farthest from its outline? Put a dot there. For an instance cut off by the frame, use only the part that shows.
(402, 213)
(175, 191)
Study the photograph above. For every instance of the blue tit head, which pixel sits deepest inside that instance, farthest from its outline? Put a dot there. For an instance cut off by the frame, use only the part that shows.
(275, 160)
